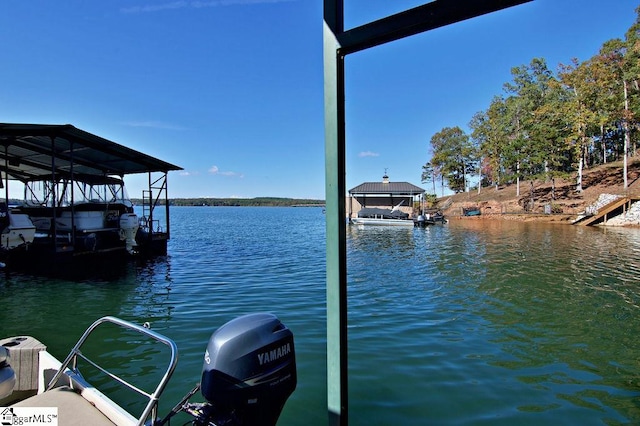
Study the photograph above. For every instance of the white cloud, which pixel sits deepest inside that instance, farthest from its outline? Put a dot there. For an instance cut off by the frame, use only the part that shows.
(214, 170)
(153, 124)
(149, 8)
(368, 154)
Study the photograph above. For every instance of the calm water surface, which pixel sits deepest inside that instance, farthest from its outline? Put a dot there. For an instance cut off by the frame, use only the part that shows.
(476, 322)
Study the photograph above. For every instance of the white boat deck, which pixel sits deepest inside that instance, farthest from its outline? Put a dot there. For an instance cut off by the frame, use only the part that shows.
(73, 409)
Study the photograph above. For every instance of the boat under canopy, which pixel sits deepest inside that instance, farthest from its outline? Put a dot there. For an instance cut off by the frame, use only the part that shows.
(75, 195)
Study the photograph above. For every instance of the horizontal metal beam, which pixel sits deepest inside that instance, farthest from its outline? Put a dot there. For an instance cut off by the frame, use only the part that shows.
(438, 13)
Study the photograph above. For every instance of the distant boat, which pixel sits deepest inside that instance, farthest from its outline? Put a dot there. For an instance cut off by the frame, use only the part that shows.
(16, 230)
(383, 217)
(100, 218)
(433, 217)
(471, 211)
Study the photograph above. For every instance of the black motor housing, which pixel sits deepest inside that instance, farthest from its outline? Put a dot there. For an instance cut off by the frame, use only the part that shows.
(249, 369)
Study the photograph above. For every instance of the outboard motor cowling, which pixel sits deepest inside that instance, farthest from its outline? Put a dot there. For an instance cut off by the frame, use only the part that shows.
(128, 230)
(249, 370)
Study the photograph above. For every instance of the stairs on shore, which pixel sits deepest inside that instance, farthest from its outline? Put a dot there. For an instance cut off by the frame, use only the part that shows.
(614, 208)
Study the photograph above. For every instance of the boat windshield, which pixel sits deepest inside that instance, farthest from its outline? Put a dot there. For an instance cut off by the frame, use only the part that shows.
(65, 193)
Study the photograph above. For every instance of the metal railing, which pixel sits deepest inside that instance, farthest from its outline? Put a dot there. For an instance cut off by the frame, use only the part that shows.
(152, 406)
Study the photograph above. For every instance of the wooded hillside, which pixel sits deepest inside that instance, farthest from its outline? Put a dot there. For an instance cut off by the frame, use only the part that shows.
(548, 125)
(561, 195)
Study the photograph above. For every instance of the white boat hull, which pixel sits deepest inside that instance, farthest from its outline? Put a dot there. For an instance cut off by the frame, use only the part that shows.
(368, 221)
(20, 232)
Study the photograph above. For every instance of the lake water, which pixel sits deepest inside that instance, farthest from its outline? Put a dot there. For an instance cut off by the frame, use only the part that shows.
(475, 322)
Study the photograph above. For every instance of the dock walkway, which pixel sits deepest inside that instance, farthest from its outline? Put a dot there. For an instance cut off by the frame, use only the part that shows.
(614, 208)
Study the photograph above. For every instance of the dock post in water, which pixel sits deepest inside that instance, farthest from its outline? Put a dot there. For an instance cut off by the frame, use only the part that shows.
(338, 43)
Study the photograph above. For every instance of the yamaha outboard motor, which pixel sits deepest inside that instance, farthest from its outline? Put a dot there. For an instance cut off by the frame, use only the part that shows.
(249, 372)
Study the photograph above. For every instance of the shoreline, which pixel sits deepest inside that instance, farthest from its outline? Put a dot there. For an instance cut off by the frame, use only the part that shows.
(561, 219)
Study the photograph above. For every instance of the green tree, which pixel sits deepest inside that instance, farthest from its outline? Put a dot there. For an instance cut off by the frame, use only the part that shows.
(490, 134)
(579, 110)
(606, 80)
(622, 57)
(429, 174)
(546, 125)
(613, 53)
(455, 155)
(530, 142)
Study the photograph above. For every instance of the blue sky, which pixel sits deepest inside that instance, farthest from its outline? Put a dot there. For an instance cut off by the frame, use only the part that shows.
(231, 90)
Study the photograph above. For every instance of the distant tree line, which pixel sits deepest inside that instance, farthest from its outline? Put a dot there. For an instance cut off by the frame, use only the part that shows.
(242, 202)
(547, 125)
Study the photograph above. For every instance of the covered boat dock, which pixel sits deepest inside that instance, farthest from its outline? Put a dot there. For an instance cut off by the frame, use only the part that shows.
(384, 195)
(62, 155)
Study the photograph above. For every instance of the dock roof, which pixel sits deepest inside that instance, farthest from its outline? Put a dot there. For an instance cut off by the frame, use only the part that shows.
(398, 188)
(33, 151)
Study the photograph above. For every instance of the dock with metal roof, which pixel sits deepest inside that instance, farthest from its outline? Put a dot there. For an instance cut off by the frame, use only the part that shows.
(383, 194)
(65, 156)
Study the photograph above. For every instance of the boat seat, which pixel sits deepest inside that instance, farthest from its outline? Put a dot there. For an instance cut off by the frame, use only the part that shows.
(73, 409)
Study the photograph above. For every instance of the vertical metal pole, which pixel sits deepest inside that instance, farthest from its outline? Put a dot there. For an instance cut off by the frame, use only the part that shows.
(335, 193)
(166, 204)
(150, 222)
(54, 195)
(73, 199)
(6, 175)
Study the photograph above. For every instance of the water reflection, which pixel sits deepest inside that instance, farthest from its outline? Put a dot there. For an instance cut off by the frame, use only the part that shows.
(152, 298)
(65, 303)
(534, 318)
